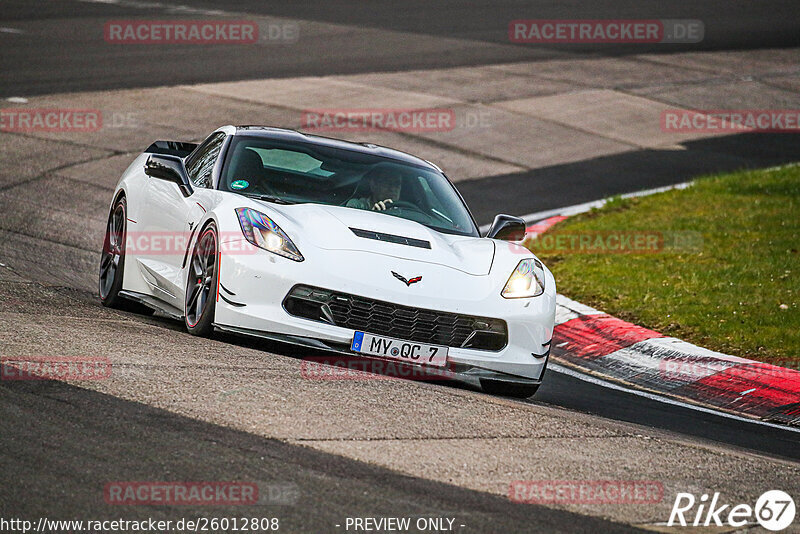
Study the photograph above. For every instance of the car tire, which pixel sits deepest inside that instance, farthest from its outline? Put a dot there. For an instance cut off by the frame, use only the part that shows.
(201, 286)
(508, 389)
(112, 262)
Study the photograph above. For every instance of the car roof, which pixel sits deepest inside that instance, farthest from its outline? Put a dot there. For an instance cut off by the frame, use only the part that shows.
(285, 134)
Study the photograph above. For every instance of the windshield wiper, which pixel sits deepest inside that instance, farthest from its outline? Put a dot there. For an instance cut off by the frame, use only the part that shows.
(271, 198)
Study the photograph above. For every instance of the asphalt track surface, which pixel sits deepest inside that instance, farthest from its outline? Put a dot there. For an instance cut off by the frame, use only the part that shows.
(63, 47)
(583, 181)
(569, 392)
(55, 464)
(53, 432)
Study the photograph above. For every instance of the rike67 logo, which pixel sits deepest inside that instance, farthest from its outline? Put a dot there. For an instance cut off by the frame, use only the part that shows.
(774, 510)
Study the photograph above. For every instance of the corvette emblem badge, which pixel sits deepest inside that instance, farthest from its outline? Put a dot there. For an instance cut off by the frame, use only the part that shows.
(407, 282)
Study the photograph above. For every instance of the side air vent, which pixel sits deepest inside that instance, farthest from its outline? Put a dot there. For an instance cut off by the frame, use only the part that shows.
(390, 238)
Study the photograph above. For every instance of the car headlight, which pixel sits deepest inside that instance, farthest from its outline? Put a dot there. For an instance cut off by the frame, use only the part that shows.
(262, 232)
(527, 280)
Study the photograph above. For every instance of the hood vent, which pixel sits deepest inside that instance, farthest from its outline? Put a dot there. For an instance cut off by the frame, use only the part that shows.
(390, 238)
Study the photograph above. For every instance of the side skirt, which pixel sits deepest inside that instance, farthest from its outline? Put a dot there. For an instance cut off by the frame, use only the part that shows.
(151, 302)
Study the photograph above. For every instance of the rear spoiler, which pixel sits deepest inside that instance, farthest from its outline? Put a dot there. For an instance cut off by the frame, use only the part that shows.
(171, 148)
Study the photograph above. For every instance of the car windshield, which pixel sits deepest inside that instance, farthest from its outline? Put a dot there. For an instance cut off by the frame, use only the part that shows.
(297, 172)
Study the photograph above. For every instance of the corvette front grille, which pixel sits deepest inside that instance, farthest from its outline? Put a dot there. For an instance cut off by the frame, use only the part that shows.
(393, 320)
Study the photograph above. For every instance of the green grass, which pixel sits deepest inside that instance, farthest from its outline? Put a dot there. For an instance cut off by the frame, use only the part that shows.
(735, 287)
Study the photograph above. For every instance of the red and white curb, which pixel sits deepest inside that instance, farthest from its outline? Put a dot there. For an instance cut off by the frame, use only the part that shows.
(599, 346)
(596, 343)
(542, 226)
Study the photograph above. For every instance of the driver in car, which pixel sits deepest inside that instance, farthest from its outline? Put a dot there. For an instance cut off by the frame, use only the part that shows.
(384, 189)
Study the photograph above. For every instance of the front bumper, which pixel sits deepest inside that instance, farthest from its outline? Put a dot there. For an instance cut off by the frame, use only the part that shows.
(468, 374)
(254, 285)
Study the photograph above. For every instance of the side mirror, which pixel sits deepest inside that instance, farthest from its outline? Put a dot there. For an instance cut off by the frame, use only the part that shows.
(507, 228)
(171, 169)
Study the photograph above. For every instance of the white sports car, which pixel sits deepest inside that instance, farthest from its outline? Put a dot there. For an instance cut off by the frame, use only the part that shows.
(334, 245)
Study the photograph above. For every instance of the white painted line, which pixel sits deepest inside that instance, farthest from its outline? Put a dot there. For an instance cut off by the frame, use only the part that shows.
(779, 167)
(575, 306)
(173, 8)
(11, 30)
(568, 211)
(658, 398)
(17, 99)
(587, 206)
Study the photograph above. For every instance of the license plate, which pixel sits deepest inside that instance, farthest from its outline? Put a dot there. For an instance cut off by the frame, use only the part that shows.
(396, 349)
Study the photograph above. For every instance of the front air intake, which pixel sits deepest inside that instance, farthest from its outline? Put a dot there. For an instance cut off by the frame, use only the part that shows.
(397, 321)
